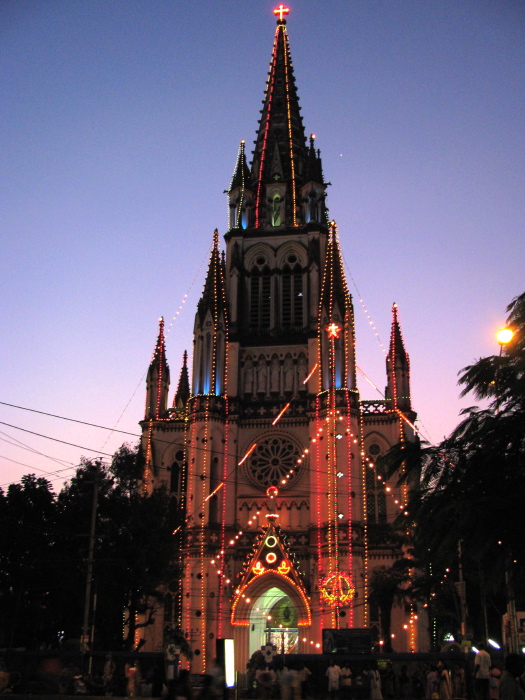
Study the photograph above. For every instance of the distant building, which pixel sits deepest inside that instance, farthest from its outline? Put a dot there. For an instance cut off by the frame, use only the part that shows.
(271, 452)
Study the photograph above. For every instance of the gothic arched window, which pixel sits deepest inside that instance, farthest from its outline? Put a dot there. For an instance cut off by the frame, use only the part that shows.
(276, 210)
(292, 294)
(375, 496)
(260, 295)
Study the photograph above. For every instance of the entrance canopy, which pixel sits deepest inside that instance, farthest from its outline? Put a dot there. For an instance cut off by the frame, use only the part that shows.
(246, 598)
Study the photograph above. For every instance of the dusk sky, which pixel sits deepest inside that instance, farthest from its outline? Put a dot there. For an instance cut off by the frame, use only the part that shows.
(120, 125)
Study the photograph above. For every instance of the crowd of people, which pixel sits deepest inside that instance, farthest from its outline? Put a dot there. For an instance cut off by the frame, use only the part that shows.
(447, 679)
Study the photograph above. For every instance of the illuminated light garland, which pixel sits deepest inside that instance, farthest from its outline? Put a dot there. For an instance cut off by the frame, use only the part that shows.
(363, 306)
(269, 95)
(311, 373)
(214, 492)
(161, 360)
(349, 502)
(336, 588)
(185, 297)
(239, 164)
(289, 125)
(361, 442)
(192, 499)
(202, 550)
(148, 473)
(404, 488)
(281, 413)
(248, 453)
(277, 564)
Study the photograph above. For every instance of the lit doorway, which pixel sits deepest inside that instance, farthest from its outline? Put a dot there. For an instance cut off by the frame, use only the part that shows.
(273, 620)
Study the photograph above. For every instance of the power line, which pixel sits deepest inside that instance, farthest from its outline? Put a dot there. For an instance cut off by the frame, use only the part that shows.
(71, 420)
(14, 442)
(47, 437)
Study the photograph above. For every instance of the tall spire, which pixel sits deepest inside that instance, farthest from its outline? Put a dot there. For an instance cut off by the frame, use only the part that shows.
(280, 166)
(158, 379)
(398, 367)
(336, 318)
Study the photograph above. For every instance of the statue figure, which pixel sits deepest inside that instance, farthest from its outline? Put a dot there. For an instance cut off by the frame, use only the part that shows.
(261, 377)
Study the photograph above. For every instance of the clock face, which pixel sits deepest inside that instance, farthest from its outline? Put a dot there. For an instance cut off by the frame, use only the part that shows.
(274, 461)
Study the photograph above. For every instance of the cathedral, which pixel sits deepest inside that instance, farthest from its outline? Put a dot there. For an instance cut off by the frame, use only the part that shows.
(268, 448)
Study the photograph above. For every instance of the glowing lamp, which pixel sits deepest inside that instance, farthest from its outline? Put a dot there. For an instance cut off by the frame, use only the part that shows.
(504, 335)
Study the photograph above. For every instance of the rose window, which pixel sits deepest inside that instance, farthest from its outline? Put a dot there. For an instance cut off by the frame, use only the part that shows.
(274, 463)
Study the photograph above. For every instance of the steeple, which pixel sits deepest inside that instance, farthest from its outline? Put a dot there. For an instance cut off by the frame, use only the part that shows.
(336, 312)
(282, 162)
(183, 390)
(158, 379)
(210, 328)
(398, 368)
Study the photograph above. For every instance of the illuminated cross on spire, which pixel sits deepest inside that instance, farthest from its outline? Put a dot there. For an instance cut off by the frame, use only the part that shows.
(281, 10)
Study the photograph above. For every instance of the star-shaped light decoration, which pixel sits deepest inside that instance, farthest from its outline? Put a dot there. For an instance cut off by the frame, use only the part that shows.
(333, 330)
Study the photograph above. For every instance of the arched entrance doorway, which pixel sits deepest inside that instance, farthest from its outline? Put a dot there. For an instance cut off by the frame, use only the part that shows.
(274, 620)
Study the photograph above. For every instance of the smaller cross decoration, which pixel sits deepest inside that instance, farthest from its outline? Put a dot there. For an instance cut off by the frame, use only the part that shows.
(281, 10)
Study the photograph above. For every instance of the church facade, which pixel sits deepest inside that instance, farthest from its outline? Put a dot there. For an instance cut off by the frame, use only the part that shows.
(268, 447)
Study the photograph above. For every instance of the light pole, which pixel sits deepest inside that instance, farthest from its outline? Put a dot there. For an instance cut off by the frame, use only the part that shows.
(504, 336)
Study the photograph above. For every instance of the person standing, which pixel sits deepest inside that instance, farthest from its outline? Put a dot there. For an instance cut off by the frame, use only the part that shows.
(333, 673)
(375, 683)
(482, 673)
(510, 687)
(445, 684)
(495, 677)
(346, 681)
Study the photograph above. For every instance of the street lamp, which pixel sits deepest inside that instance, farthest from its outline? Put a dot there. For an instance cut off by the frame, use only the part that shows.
(504, 336)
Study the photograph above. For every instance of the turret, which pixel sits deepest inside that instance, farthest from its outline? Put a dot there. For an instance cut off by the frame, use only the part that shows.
(239, 194)
(210, 329)
(183, 389)
(397, 368)
(158, 380)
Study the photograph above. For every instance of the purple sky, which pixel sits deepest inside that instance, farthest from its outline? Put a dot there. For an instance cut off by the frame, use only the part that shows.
(120, 124)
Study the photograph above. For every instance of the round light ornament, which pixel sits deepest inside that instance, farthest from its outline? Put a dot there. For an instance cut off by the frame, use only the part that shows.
(336, 588)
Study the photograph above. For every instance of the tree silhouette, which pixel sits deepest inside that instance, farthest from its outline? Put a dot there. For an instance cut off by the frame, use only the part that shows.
(471, 486)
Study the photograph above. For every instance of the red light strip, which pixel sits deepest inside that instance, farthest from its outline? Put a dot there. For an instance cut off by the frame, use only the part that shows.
(289, 120)
(281, 414)
(269, 89)
(311, 373)
(252, 448)
(214, 492)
